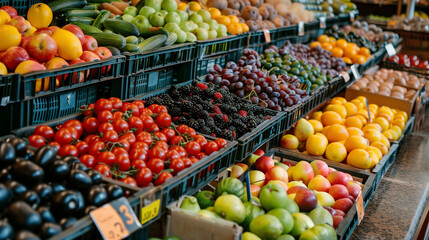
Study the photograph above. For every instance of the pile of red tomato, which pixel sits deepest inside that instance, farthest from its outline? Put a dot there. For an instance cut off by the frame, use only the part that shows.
(409, 61)
(128, 141)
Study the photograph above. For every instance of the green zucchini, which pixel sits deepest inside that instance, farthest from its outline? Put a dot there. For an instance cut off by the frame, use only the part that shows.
(153, 43)
(109, 39)
(82, 13)
(84, 20)
(58, 5)
(172, 38)
(103, 16)
(132, 40)
(87, 28)
(140, 4)
(119, 26)
(115, 51)
(89, 7)
(153, 31)
(132, 48)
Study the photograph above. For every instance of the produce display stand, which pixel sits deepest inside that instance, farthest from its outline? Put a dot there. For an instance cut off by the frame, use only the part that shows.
(9, 89)
(21, 6)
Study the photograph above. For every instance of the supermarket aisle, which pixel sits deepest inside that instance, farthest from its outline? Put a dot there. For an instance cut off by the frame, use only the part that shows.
(397, 205)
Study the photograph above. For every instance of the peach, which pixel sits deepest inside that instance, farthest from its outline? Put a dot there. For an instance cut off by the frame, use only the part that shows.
(281, 183)
(257, 178)
(294, 189)
(236, 171)
(29, 66)
(353, 189)
(320, 168)
(332, 170)
(243, 166)
(343, 204)
(337, 220)
(277, 173)
(349, 177)
(57, 62)
(254, 190)
(338, 177)
(319, 183)
(303, 171)
(338, 191)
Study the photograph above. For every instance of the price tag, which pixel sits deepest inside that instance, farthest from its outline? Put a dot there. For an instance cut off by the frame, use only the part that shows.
(355, 72)
(267, 35)
(115, 220)
(301, 28)
(322, 22)
(345, 76)
(360, 208)
(391, 51)
(4, 101)
(352, 16)
(367, 109)
(150, 205)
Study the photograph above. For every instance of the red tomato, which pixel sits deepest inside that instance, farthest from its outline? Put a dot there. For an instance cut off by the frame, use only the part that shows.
(138, 164)
(138, 154)
(182, 128)
(119, 151)
(103, 104)
(211, 147)
(123, 162)
(73, 131)
(177, 140)
(193, 160)
(120, 125)
(55, 144)
(106, 158)
(191, 131)
(141, 145)
(221, 143)
(182, 152)
(200, 139)
(125, 144)
(144, 137)
(162, 178)
(153, 129)
(118, 115)
(132, 108)
(116, 103)
(90, 125)
(159, 109)
(88, 160)
(129, 180)
(173, 154)
(155, 164)
(45, 131)
(82, 147)
(152, 107)
(144, 177)
(68, 150)
(201, 155)
(169, 133)
(163, 145)
(193, 148)
(139, 105)
(145, 111)
(160, 136)
(163, 120)
(130, 137)
(157, 152)
(186, 161)
(92, 138)
(36, 141)
(63, 136)
(95, 148)
(74, 124)
(104, 116)
(104, 127)
(177, 165)
(103, 169)
(89, 110)
(136, 124)
(148, 121)
(110, 136)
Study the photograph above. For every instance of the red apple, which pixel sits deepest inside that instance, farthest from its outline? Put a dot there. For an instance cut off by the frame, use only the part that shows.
(277, 173)
(29, 66)
(343, 204)
(264, 163)
(338, 191)
(331, 210)
(294, 189)
(90, 43)
(338, 177)
(53, 28)
(306, 200)
(76, 31)
(42, 47)
(10, 10)
(20, 23)
(353, 189)
(88, 56)
(259, 152)
(337, 220)
(13, 56)
(103, 53)
(281, 183)
(57, 62)
(81, 73)
(25, 41)
(43, 30)
(339, 212)
(254, 190)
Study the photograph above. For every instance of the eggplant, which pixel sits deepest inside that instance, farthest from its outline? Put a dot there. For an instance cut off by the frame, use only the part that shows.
(57, 187)
(89, 209)
(6, 196)
(16, 187)
(114, 191)
(81, 202)
(31, 198)
(20, 146)
(46, 155)
(44, 191)
(97, 196)
(46, 214)
(21, 215)
(67, 222)
(59, 170)
(27, 172)
(65, 203)
(79, 179)
(6, 230)
(95, 176)
(7, 154)
(70, 160)
(5, 174)
(26, 235)
(29, 154)
(79, 166)
(50, 229)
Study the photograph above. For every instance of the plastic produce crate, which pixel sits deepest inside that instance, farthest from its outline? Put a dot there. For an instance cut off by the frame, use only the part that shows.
(213, 47)
(278, 37)
(159, 58)
(337, 84)
(414, 39)
(9, 88)
(204, 65)
(311, 31)
(21, 6)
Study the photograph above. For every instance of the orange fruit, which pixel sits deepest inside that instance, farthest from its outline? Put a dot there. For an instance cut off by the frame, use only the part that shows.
(214, 12)
(323, 38)
(244, 27)
(347, 60)
(354, 131)
(315, 44)
(332, 40)
(317, 125)
(327, 46)
(233, 19)
(359, 104)
(365, 52)
(317, 116)
(316, 144)
(375, 150)
(182, 6)
(399, 117)
(380, 146)
(356, 142)
(350, 108)
(372, 135)
(385, 141)
(194, 6)
(336, 152)
(325, 130)
(374, 158)
(359, 158)
(374, 126)
(337, 52)
(340, 109)
(336, 133)
(341, 43)
(235, 28)
(384, 124)
(223, 20)
(339, 99)
(353, 122)
(353, 45)
(399, 123)
(40, 15)
(361, 118)
(330, 117)
(69, 46)
(359, 59)
(350, 52)
(9, 36)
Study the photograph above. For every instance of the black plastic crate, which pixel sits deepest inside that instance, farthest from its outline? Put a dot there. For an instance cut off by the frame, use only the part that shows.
(256, 40)
(311, 31)
(203, 65)
(9, 88)
(21, 6)
(212, 47)
(159, 58)
(142, 83)
(338, 84)
(91, 72)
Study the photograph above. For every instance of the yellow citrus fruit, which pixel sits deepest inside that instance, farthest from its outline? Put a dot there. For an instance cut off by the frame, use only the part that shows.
(234, 28)
(353, 131)
(384, 124)
(317, 116)
(388, 134)
(340, 99)
(182, 6)
(359, 158)
(397, 130)
(194, 6)
(336, 133)
(403, 114)
(387, 110)
(353, 45)
(69, 46)
(372, 135)
(353, 122)
(244, 27)
(374, 158)
(356, 142)
(318, 126)
(214, 12)
(315, 44)
(375, 150)
(359, 59)
(347, 60)
(336, 152)
(384, 115)
(337, 52)
(332, 40)
(380, 146)
(323, 38)
(327, 46)
(350, 53)
(374, 126)
(331, 117)
(399, 123)
(223, 20)
(4, 17)
(358, 103)
(9, 36)
(373, 106)
(350, 108)
(3, 69)
(385, 141)
(233, 19)
(316, 144)
(325, 130)
(365, 52)
(40, 15)
(362, 119)
(341, 43)
(340, 109)
(395, 135)
(399, 117)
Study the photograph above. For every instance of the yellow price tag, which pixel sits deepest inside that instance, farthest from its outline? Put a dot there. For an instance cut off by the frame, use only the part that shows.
(150, 211)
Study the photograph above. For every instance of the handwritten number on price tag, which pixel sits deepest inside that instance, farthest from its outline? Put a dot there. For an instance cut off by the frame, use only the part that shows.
(391, 51)
(360, 208)
(150, 211)
(300, 28)
(345, 76)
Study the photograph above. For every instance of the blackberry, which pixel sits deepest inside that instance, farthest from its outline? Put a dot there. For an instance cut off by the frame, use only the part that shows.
(252, 123)
(227, 134)
(209, 92)
(185, 90)
(218, 118)
(217, 131)
(149, 102)
(175, 111)
(194, 124)
(232, 128)
(210, 122)
(195, 111)
(201, 122)
(204, 114)
(196, 91)
(207, 106)
(206, 130)
(187, 106)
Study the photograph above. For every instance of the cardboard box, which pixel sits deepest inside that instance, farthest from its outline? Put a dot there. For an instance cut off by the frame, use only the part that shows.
(192, 226)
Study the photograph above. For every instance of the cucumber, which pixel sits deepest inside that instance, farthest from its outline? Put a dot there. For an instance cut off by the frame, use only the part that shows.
(84, 20)
(132, 48)
(82, 13)
(108, 31)
(153, 31)
(89, 7)
(115, 51)
(132, 40)
(171, 39)
(103, 16)
(87, 28)
(58, 5)
(109, 39)
(140, 4)
(119, 26)
(153, 42)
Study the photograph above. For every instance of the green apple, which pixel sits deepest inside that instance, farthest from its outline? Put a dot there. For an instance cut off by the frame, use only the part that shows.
(156, 19)
(302, 222)
(284, 217)
(170, 27)
(131, 10)
(155, 4)
(230, 207)
(266, 227)
(163, 12)
(213, 24)
(195, 17)
(250, 236)
(253, 157)
(146, 11)
(172, 17)
(181, 35)
(141, 23)
(286, 237)
(190, 204)
(252, 211)
(209, 214)
(324, 231)
(186, 26)
(183, 15)
(190, 37)
(202, 33)
(272, 196)
(194, 25)
(203, 25)
(127, 18)
(205, 14)
(212, 34)
(320, 215)
(169, 5)
(225, 30)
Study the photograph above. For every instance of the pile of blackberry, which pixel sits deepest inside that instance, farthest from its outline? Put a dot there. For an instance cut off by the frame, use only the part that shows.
(212, 110)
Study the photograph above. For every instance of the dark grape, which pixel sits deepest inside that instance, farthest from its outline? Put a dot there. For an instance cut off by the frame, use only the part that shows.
(254, 100)
(269, 90)
(209, 78)
(225, 83)
(257, 89)
(240, 93)
(218, 68)
(239, 85)
(217, 80)
(249, 82)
